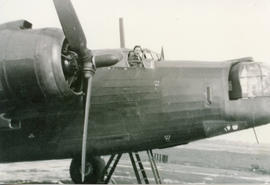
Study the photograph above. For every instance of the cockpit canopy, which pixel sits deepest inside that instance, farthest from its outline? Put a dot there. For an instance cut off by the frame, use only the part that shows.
(249, 79)
(146, 59)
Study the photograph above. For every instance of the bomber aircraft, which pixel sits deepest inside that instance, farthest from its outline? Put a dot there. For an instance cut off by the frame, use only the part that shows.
(49, 79)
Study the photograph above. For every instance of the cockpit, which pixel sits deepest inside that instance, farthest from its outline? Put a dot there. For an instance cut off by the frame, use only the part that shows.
(248, 80)
(143, 58)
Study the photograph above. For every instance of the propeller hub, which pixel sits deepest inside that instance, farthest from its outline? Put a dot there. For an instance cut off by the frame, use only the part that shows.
(88, 67)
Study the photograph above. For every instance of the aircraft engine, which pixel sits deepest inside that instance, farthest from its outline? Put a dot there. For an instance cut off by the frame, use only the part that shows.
(36, 66)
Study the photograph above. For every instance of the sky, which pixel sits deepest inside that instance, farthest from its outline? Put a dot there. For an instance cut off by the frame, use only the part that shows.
(208, 30)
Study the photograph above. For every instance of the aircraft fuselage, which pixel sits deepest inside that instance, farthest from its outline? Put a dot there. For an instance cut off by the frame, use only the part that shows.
(135, 109)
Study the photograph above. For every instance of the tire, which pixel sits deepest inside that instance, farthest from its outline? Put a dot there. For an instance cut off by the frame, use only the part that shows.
(93, 171)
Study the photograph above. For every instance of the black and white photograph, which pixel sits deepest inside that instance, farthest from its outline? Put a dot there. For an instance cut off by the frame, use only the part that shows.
(134, 92)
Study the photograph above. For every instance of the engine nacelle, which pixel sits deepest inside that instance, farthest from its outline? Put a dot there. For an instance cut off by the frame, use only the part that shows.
(30, 66)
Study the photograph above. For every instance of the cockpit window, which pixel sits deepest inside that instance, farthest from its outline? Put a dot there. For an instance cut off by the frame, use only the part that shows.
(142, 58)
(147, 55)
(134, 59)
(249, 79)
(155, 56)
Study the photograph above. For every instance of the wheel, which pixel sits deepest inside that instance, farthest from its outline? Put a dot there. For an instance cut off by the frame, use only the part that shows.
(94, 167)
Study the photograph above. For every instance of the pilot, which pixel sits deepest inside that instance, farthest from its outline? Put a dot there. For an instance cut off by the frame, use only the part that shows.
(135, 57)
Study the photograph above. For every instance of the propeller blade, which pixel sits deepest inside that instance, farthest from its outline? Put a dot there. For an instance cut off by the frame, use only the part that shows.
(85, 127)
(77, 41)
(71, 25)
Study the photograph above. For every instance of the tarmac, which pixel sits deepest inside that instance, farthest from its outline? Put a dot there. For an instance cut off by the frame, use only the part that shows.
(186, 165)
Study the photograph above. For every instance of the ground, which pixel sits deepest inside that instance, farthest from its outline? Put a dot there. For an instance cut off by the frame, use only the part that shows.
(206, 162)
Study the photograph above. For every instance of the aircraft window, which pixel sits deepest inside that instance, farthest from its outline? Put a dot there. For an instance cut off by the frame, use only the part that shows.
(155, 56)
(265, 80)
(148, 55)
(208, 96)
(148, 60)
(134, 60)
(249, 79)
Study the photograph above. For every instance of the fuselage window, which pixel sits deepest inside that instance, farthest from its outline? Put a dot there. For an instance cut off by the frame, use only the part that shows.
(208, 96)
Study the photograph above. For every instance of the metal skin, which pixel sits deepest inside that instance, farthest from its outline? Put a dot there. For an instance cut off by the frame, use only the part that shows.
(31, 70)
(133, 109)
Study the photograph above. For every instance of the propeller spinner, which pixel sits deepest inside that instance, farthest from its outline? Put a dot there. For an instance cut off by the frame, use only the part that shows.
(77, 42)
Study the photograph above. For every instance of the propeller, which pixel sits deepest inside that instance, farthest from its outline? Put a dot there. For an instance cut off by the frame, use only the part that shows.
(77, 42)
(71, 25)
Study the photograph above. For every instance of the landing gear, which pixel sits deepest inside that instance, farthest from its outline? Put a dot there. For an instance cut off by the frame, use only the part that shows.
(94, 168)
(96, 171)
(137, 165)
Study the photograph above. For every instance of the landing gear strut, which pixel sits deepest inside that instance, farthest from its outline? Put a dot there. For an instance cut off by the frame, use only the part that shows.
(112, 163)
(97, 172)
(94, 167)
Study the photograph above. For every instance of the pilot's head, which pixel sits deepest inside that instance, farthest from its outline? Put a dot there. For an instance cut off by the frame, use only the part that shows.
(137, 50)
